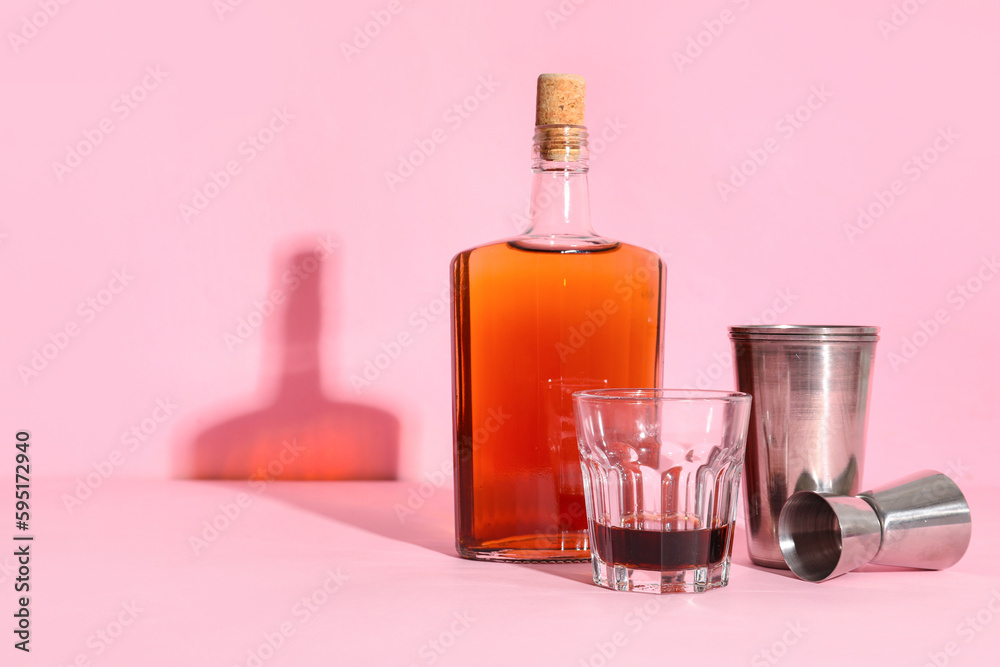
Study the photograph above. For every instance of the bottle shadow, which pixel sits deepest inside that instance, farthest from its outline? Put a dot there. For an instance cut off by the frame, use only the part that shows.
(582, 573)
(384, 512)
(298, 433)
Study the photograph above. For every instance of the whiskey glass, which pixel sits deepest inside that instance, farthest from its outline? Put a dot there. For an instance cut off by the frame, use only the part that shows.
(661, 473)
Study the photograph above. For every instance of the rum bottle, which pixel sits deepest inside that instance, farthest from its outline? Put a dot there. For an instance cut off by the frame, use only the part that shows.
(537, 317)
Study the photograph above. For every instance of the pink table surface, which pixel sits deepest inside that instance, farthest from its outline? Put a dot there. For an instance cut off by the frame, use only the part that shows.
(326, 573)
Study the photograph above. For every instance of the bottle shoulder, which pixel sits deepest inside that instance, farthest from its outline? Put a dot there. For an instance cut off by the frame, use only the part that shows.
(485, 246)
(640, 251)
(536, 245)
(491, 247)
(544, 244)
(503, 257)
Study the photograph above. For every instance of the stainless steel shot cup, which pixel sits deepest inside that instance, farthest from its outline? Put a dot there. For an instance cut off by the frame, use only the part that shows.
(811, 387)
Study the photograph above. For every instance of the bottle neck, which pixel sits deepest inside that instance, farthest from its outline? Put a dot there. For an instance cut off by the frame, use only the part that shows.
(300, 382)
(560, 198)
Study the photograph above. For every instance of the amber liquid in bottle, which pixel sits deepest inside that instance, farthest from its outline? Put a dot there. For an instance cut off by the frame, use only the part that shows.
(535, 318)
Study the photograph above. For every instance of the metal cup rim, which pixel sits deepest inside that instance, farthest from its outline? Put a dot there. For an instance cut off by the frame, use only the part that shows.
(823, 330)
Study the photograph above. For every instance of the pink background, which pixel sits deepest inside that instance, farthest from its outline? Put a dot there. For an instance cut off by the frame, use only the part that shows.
(674, 130)
(189, 355)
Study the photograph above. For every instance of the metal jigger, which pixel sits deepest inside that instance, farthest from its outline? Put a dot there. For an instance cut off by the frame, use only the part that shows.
(921, 521)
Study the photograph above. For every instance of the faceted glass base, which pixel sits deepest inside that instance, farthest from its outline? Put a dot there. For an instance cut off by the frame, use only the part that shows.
(690, 580)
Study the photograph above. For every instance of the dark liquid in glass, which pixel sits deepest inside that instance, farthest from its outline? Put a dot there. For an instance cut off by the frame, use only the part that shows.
(661, 550)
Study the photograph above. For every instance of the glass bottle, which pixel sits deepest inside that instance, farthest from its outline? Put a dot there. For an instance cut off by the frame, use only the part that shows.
(537, 317)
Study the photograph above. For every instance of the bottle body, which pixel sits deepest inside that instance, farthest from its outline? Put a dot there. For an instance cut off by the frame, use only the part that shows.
(531, 325)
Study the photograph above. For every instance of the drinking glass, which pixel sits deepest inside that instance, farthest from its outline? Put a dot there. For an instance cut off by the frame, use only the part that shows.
(661, 473)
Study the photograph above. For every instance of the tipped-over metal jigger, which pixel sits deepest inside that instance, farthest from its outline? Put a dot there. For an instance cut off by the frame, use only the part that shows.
(921, 521)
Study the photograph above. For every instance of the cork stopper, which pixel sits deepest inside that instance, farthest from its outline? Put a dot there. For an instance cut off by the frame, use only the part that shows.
(560, 99)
